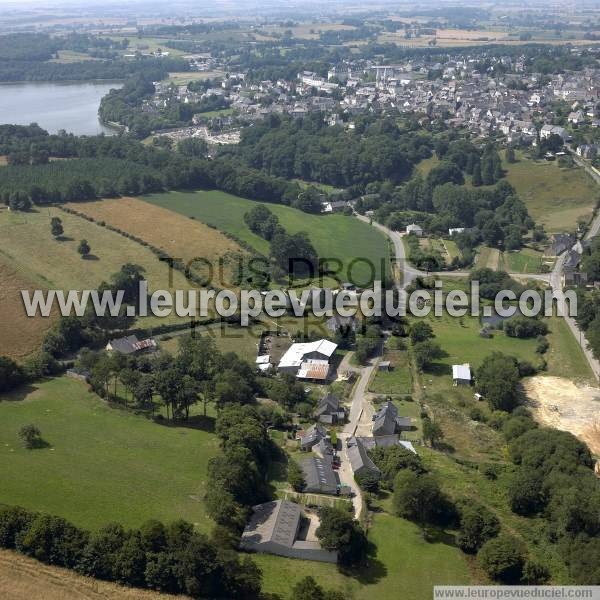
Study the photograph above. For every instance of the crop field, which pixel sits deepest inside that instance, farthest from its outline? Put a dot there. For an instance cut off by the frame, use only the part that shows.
(333, 236)
(101, 464)
(19, 334)
(23, 578)
(555, 197)
(177, 235)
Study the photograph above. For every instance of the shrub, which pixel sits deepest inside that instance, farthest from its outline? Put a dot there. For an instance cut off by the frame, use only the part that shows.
(503, 559)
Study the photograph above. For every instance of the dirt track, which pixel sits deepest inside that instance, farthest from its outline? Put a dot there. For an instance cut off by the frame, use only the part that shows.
(559, 403)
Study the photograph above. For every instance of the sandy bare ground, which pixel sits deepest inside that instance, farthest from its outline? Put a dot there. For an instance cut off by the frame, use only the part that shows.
(23, 578)
(493, 259)
(558, 402)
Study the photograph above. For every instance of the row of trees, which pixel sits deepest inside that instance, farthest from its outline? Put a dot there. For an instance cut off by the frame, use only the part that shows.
(170, 558)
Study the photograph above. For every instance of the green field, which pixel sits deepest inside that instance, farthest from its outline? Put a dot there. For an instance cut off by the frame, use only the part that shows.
(525, 260)
(555, 197)
(404, 565)
(396, 381)
(103, 464)
(334, 236)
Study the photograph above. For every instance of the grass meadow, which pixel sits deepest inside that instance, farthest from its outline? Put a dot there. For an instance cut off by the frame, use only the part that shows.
(333, 236)
(102, 464)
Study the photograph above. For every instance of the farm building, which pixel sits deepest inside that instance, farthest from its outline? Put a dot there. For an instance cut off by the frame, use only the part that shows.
(329, 410)
(359, 459)
(308, 360)
(319, 476)
(385, 441)
(278, 528)
(130, 345)
(387, 422)
(461, 374)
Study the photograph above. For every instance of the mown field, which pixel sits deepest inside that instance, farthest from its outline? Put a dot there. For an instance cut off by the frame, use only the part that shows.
(333, 236)
(178, 236)
(102, 464)
(20, 335)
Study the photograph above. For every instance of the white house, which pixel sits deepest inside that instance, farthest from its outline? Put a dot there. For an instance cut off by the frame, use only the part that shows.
(415, 229)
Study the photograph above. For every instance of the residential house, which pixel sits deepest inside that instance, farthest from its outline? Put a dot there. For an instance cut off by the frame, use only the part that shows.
(312, 436)
(359, 459)
(330, 411)
(414, 229)
(387, 422)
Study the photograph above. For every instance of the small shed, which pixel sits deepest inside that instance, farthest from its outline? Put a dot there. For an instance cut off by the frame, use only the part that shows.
(461, 374)
(414, 229)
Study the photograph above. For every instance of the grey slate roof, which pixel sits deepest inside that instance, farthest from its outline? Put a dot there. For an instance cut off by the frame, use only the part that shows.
(275, 522)
(385, 420)
(359, 459)
(319, 475)
(313, 435)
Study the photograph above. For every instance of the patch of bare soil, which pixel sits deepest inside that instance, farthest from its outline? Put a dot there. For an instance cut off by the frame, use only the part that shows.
(22, 578)
(560, 403)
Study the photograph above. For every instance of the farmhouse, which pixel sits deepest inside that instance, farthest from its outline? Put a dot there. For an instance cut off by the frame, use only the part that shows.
(131, 345)
(359, 459)
(312, 436)
(329, 410)
(319, 476)
(279, 528)
(387, 422)
(461, 374)
(308, 360)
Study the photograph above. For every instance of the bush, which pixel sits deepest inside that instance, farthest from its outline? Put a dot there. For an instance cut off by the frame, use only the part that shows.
(477, 526)
(13, 520)
(296, 476)
(503, 559)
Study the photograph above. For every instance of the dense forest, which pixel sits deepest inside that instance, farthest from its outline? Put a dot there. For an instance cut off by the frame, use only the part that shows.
(308, 149)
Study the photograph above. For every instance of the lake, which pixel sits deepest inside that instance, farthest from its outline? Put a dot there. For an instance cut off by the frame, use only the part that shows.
(53, 106)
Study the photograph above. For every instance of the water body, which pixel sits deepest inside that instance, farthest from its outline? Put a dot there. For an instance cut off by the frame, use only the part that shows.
(54, 106)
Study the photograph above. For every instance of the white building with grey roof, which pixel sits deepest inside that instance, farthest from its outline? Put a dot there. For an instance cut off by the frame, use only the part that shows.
(280, 527)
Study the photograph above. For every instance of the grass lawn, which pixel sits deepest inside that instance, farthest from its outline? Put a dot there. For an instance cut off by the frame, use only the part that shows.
(525, 260)
(103, 464)
(396, 381)
(555, 197)
(185, 77)
(403, 561)
(565, 356)
(334, 236)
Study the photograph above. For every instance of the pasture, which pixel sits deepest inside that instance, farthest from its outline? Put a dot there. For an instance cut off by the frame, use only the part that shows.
(555, 197)
(27, 244)
(177, 235)
(102, 464)
(334, 236)
(20, 335)
(402, 560)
